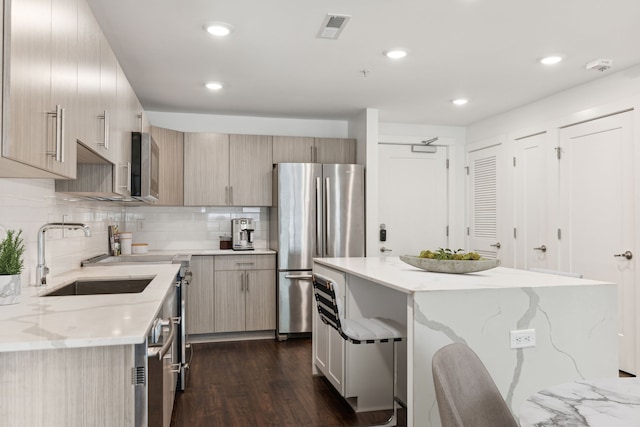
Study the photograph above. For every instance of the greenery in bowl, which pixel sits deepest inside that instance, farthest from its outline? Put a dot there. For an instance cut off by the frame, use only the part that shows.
(11, 251)
(448, 254)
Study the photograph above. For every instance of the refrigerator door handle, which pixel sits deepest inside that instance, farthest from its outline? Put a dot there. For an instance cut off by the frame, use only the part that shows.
(318, 217)
(299, 277)
(327, 210)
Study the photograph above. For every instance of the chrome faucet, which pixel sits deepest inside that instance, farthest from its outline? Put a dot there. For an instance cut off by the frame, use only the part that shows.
(42, 270)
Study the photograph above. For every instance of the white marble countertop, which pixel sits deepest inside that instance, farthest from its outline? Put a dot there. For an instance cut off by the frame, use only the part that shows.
(610, 402)
(85, 321)
(210, 252)
(393, 273)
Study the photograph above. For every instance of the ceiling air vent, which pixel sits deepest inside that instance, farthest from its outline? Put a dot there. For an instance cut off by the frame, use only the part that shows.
(333, 25)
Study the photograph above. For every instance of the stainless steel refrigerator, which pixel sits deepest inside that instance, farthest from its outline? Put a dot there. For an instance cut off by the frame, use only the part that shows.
(318, 211)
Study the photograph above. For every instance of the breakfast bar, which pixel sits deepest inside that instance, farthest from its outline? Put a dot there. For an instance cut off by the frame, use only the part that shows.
(574, 323)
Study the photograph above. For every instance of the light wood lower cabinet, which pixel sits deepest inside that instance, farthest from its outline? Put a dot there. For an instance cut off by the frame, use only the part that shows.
(200, 296)
(231, 293)
(245, 288)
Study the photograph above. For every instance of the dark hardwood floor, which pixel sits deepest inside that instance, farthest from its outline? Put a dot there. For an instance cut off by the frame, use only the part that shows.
(261, 383)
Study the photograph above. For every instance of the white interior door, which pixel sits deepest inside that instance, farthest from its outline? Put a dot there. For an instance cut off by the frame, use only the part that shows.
(597, 194)
(534, 245)
(483, 234)
(413, 197)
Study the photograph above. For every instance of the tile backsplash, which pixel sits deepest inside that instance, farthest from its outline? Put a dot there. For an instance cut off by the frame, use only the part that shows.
(180, 228)
(27, 204)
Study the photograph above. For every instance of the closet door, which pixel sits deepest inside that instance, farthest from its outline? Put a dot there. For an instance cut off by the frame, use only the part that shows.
(535, 243)
(485, 170)
(597, 207)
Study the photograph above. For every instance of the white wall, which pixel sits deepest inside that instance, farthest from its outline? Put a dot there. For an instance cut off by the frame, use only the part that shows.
(185, 122)
(603, 96)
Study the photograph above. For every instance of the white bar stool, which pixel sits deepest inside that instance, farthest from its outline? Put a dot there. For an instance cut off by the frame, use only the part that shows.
(357, 330)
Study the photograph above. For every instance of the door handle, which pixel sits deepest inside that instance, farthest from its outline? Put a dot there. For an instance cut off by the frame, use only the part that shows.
(497, 245)
(298, 277)
(626, 254)
(542, 248)
(383, 249)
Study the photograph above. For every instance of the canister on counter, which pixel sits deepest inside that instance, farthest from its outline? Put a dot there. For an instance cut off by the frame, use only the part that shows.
(125, 243)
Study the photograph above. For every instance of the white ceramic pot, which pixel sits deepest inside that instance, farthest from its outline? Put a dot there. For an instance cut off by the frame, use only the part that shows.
(9, 289)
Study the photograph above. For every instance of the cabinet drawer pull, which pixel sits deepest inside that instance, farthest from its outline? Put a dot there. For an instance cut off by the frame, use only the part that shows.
(245, 263)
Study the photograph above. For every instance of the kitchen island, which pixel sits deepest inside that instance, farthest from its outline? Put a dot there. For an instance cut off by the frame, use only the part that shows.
(71, 360)
(575, 324)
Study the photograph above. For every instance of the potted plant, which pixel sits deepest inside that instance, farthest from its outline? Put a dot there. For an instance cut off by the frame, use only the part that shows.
(11, 264)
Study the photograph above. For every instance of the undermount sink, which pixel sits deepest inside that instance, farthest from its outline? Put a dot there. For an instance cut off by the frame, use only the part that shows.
(101, 287)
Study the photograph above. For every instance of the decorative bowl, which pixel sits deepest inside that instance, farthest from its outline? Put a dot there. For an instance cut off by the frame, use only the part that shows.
(450, 266)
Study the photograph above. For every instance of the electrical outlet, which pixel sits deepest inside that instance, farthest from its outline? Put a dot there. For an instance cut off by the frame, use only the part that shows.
(523, 338)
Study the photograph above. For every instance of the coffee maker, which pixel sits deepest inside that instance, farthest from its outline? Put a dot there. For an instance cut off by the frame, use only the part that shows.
(242, 234)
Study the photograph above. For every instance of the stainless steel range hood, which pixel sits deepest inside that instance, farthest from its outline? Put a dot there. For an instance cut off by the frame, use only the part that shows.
(94, 179)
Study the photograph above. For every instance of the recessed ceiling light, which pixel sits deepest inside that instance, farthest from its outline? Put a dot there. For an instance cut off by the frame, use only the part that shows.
(395, 53)
(551, 60)
(219, 29)
(460, 101)
(214, 85)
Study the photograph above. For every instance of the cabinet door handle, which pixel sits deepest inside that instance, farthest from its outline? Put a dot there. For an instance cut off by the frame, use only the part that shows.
(105, 118)
(246, 274)
(127, 186)
(57, 152)
(61, 134)
(231, 195)
(226, 195)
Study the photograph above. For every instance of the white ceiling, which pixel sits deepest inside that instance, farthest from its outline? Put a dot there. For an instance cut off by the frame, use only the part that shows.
(274, 65)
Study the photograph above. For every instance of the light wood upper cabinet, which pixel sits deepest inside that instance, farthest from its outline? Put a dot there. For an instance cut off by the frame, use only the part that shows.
(335, 150)
(227, 170)
(107, 105)
(42, 62)
(206, 169)
(298, 149)
(171, 146)
(293, 149)
(90, 126)
(124, 123)
(250, 158)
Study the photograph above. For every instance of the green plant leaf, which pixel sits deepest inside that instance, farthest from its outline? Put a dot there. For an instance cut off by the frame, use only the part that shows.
(11, 251)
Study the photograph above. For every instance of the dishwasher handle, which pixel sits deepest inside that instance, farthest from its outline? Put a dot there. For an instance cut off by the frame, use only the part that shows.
(153, 351)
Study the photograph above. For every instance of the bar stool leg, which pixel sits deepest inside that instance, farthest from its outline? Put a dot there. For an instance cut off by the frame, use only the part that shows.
(393, 420)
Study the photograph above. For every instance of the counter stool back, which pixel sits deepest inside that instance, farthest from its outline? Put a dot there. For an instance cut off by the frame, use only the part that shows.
(465, 391)
(357, 330)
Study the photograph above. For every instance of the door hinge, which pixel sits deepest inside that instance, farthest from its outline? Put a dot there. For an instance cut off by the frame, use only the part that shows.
(559, 234)
(138, 375)
(467, 231)
(514, 162)
(515, 234)
(467, 169)
(558, 152)
(447, 163)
